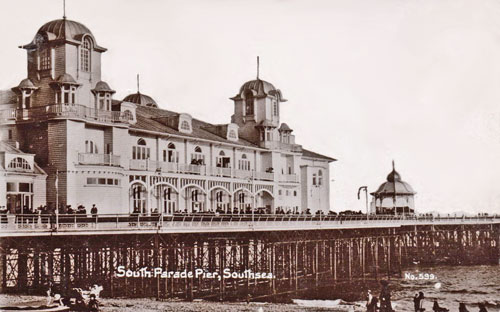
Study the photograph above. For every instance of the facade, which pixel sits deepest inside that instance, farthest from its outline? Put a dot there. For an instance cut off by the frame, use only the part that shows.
(394, 197)
(131, 156)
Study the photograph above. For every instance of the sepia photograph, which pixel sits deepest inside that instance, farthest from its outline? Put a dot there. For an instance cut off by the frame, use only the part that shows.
(250, 155)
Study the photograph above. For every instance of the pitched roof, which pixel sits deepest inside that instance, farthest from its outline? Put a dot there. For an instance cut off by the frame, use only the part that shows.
(150, 119)
(6, 147)
(311, 154)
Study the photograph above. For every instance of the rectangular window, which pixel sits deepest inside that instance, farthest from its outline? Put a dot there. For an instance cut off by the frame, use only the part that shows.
(45, 59)
(11, 187)
(101, 181)
(10, 134)
(244, 164)
(91, 181)
(24, 187)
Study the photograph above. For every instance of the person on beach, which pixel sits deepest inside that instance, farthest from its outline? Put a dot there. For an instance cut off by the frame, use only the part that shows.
(371, 302)
(385, 297)
(462, 307)
(418, 302)
(482, 307)
(437, 308)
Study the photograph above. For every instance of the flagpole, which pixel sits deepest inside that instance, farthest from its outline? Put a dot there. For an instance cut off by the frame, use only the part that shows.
(57, 197)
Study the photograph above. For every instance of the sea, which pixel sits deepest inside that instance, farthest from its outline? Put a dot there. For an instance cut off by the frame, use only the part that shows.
(449, 285)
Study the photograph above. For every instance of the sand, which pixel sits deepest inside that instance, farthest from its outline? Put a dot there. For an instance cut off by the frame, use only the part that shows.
(150, 305)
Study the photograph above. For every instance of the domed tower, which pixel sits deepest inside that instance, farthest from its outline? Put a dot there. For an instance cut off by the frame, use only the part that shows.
(257, 110)
(64, 63)
(394, 197)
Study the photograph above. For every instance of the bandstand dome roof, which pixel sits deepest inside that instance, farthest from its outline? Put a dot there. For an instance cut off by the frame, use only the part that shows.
(394, 186)
(140, 99)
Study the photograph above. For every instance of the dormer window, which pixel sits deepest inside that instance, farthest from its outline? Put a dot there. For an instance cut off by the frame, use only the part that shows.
(249, 103)
(85, 53)
(185, 125)
(19, 163)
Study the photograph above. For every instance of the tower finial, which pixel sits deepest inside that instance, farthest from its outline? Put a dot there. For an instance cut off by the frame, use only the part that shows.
(393, 166)
(138, 83)
(64, 9)
(257, 67)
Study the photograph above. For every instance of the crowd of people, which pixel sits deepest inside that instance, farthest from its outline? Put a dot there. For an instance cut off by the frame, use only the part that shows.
(383, 302)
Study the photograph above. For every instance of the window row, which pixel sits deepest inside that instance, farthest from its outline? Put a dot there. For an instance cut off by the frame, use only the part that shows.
(103, 181)
(318, 178)
(20, 187)
(287, 193)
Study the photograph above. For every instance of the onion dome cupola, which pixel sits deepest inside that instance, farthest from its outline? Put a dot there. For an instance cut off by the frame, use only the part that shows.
(24, 91)
(394, 196)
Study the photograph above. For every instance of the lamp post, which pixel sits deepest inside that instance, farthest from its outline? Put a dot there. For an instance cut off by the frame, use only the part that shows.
(364, 188)
(252, 180)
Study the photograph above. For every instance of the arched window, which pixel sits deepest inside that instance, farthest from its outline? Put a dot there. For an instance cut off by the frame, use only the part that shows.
(185, 125)
(244, 163)
(320, 177)
(85, 52)
(19, 163)
(223, 161)
(249, 99)
(197, 158)
(138, 195)
(232, 134)
(90, 147)
(222, 153)
(219, 197)
(171, 155)
(141, 151)
(128, 115)
(141, 142)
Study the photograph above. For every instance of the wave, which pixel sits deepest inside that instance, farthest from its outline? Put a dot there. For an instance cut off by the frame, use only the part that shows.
(466, 291)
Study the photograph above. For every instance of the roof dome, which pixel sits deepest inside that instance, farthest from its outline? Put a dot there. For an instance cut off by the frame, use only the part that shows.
(140, 99)
(65, 29)
(394, 185)
(26, 84)
(102, 86)
(62, 29)
(259, 86)
(66, 79)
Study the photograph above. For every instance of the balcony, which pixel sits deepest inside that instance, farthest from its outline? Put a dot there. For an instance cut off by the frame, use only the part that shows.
(288, 178)
(8, 114)
(169, 167)
(69, 111)
(98, 159)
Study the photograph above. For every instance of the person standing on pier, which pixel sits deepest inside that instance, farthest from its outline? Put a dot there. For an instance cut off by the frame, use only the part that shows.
(385, 297)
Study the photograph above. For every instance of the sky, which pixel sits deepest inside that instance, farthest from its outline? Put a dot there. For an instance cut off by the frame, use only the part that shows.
(366, 81)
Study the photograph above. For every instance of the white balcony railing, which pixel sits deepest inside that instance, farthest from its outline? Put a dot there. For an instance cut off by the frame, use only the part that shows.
(8, 114)
(98, 159)
(70, 111)
(266, 176)
(288, 178)
(169, 167)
